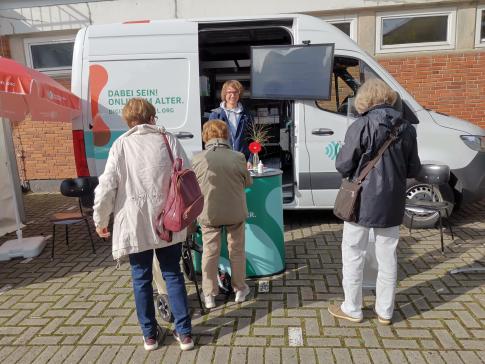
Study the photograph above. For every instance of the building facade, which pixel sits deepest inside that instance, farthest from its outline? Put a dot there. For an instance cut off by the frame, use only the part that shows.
(435, 49)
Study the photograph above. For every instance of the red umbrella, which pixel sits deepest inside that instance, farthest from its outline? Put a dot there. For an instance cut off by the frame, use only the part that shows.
(24, 91)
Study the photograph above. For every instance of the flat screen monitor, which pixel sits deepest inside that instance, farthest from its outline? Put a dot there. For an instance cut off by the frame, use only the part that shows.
(292, 72)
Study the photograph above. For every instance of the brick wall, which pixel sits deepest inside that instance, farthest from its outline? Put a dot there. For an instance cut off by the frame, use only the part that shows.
(44, 149)
(453, 83)
(4, 47)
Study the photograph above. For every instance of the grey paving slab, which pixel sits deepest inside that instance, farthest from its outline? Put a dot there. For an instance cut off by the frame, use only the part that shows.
(80, 308)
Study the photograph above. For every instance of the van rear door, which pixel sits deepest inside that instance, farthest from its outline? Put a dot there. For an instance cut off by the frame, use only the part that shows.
(155, 60)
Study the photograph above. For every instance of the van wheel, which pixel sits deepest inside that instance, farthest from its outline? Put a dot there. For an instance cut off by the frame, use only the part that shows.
(422, 191)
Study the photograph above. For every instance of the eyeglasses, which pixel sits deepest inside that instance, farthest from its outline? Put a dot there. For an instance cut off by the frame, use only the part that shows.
(232, 92)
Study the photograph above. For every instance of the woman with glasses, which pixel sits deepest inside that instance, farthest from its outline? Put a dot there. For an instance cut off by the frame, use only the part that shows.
(236, 116)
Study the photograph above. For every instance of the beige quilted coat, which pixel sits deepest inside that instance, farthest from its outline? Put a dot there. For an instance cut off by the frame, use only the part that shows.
(134, 186)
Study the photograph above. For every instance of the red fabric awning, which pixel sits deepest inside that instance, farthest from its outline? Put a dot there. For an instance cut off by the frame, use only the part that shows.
(24, 91)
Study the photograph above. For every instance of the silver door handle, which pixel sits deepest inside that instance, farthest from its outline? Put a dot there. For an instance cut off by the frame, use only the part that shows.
(322, 131)
(184, 135)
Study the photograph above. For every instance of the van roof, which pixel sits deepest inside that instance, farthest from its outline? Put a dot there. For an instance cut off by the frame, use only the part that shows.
(151, 27)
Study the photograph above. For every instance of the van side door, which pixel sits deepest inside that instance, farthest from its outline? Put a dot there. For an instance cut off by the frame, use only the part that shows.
(157, 61)
(326, 123)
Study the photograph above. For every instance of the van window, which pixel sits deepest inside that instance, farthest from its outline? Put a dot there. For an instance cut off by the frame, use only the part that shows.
(348, 74)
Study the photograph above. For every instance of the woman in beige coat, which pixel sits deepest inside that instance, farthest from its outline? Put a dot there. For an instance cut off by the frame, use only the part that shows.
(222, 176)
(134, 186)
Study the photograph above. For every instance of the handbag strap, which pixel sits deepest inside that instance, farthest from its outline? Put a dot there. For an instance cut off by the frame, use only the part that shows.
(168, 147)
(382, 149)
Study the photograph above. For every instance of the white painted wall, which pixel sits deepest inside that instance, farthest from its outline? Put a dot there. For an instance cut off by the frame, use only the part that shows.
(16, 18)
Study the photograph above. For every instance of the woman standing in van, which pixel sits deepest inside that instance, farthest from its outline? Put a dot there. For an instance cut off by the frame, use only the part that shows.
(134, 187)
(236, 116)
(382, 197)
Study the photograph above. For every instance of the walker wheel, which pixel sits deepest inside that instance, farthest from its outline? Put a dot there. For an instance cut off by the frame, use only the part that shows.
(224, 280)
(164, 308)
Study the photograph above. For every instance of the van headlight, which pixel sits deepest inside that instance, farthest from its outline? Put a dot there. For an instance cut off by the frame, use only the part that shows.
(475, 142)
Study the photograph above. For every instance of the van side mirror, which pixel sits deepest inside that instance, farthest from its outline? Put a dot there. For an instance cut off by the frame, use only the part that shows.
(408, 114)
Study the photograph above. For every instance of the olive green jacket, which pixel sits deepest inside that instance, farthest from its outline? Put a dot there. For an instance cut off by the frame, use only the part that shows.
(223, 177)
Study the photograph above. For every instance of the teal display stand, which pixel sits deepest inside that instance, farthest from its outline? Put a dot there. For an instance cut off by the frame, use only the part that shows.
(265, 249)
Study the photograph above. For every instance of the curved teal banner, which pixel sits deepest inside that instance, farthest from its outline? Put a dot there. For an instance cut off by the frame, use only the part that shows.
(265, 248)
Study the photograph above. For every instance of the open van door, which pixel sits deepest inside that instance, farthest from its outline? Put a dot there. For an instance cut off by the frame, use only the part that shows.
(153, 60)
(294, 72)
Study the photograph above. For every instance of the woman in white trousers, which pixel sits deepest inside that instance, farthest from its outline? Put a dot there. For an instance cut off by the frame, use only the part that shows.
(382, 198)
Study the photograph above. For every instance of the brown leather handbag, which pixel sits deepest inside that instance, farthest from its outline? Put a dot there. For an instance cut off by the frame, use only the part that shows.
(347, 202)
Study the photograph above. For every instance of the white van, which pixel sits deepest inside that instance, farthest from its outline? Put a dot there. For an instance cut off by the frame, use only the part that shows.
(180, 66)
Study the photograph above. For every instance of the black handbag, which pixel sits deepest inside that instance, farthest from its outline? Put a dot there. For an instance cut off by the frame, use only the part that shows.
(347, 202)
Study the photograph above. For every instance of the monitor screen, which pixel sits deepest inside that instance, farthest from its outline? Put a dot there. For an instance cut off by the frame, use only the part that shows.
(292, 72)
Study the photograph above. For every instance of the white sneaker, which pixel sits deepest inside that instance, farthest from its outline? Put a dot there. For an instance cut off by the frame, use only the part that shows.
(209, 301)
(151, 343)
(241, 295)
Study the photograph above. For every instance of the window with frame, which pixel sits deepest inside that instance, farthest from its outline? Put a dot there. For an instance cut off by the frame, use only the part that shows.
(343, 26)
(407, 31)
(480, 27)
(348, 25)
(50, 55)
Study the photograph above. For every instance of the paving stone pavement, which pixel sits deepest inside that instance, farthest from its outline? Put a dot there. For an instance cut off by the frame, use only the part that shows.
(80, 308)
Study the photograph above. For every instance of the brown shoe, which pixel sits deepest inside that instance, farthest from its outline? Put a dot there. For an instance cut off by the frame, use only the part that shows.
(335, 311)
(383, 321)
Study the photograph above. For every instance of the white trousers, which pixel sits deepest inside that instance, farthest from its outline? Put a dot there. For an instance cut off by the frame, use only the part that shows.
(354, 244)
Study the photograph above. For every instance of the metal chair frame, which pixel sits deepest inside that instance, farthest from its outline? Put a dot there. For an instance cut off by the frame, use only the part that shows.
(415, 207)
(73, 221)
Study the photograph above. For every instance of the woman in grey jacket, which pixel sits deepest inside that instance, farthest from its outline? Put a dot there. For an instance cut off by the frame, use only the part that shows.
(382, 197)
(134, 186)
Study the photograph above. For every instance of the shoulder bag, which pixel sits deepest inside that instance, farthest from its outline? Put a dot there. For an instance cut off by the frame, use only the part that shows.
(347, 202)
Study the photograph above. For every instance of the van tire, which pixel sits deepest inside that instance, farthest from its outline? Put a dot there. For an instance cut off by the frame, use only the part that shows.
(423, 191)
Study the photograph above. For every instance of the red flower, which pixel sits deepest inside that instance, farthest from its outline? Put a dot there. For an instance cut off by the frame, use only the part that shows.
(254, 147)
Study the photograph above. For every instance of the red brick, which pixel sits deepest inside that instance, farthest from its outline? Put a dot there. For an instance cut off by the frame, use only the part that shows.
(450, 83)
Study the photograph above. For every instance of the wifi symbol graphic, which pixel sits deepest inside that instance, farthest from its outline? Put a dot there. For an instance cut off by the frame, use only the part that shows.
(332, 149)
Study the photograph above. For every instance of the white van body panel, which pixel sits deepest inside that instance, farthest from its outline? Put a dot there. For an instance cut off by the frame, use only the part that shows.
(165, 56)
(441, 145)
(459, 125)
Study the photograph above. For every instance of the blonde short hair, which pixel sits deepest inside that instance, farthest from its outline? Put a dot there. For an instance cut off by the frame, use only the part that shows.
(214, 129)
(138, 111)
(374, 92)
(231, 83)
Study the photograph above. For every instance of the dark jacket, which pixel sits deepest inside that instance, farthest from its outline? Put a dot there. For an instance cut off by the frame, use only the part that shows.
(240, 141)
(383, 192)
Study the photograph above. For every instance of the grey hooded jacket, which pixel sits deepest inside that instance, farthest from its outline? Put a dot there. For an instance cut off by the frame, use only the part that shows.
(383, 192)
